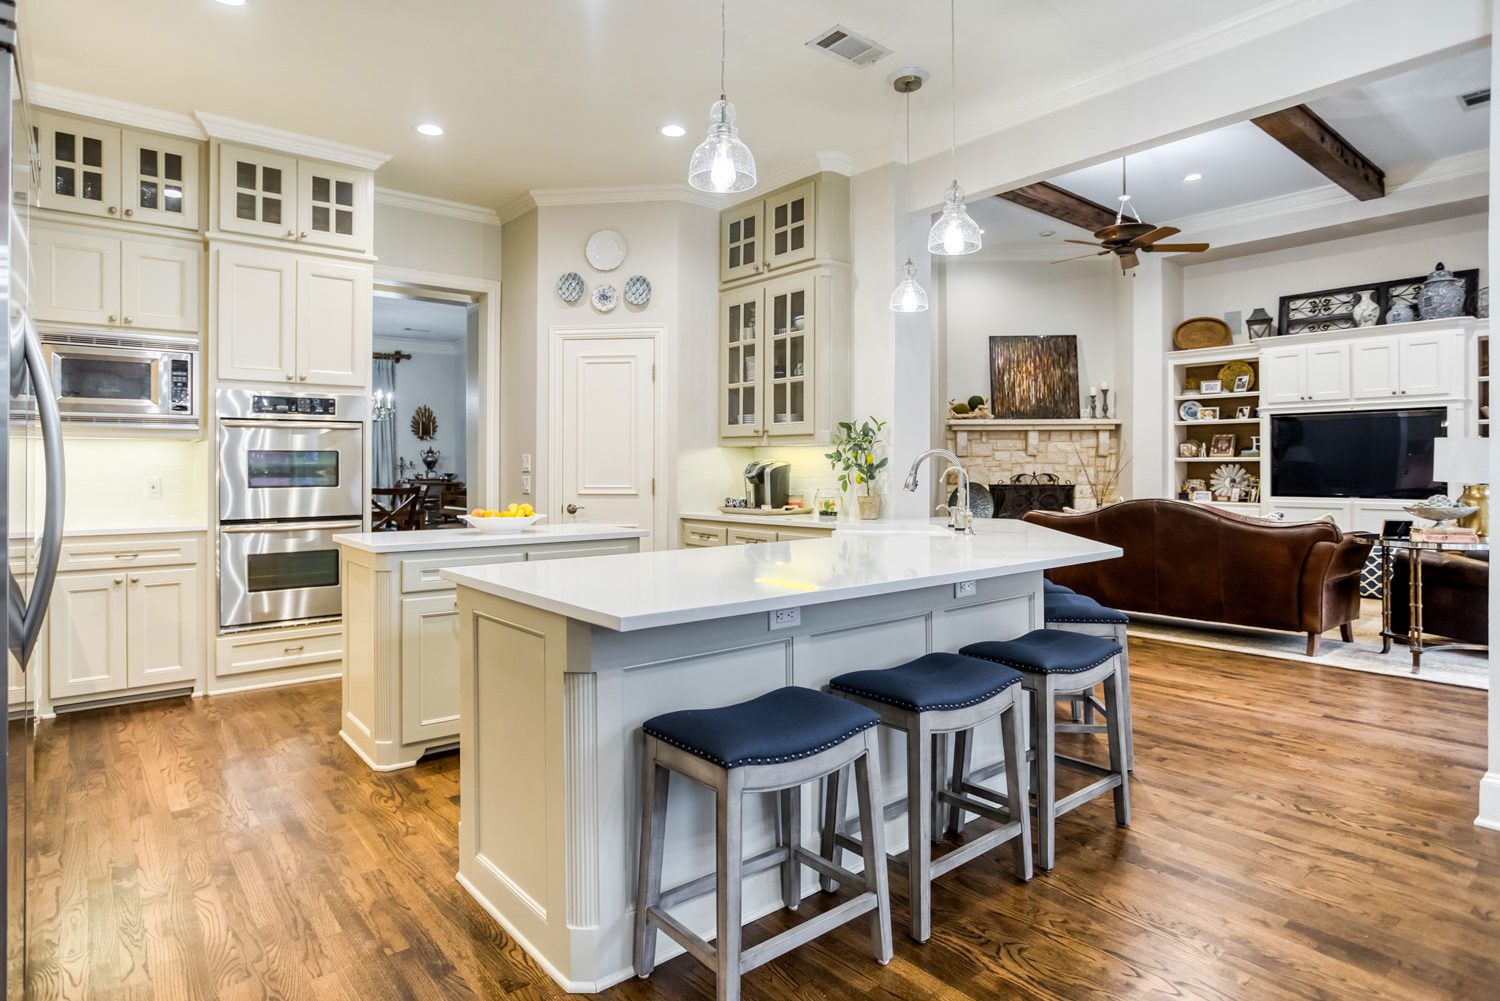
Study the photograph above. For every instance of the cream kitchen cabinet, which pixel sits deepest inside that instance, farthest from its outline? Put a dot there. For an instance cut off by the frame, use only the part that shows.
(776, 232)
(1411, 365)
(1313, 373)
(697, 533)
(97, 169)
(134, 626)
(86, 275)
(272, 195)
(286, 317)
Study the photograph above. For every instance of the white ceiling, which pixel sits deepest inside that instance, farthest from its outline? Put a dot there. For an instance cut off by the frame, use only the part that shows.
(569, 93)
(407, 319)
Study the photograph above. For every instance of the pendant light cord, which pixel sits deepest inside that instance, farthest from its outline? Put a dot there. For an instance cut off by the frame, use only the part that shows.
(723, 44)
(953, 83)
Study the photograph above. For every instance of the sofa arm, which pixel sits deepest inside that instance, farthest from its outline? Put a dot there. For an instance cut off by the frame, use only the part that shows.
(1330, 582)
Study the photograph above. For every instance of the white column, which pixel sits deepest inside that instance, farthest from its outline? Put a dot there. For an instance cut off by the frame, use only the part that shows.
(1155, 304)
(1489, 786)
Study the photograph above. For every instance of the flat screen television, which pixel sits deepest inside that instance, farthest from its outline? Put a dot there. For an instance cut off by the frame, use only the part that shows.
(1371, 453)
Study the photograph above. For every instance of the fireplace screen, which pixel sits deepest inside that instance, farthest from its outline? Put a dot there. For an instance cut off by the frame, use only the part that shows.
(1031, 492)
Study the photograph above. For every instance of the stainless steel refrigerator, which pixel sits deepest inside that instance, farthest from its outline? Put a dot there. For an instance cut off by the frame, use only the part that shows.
(31, 489)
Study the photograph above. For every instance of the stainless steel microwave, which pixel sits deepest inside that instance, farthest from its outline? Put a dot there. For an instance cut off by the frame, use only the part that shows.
(124, 381)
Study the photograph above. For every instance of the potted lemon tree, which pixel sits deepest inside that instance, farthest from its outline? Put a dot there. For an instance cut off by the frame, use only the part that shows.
(857, 460)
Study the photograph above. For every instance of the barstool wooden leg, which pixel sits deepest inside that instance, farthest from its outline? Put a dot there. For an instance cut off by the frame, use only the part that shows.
(1117, 714)
(872, 828)
(939, 775)
(1125, 704)
(789, 818)
(729, 834)
(1044, 724)
(654, 783)
(919, 828)
(835, 805)
(1017, 798)
(962, 758)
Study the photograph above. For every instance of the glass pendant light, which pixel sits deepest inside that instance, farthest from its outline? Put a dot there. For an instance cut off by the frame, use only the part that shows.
(955, 231)
(909, 296)
(721, 163)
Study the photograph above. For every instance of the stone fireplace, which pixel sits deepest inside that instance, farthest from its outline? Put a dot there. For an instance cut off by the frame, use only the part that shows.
(1085, 453)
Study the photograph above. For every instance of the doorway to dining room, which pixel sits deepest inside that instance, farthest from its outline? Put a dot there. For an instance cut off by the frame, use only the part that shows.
(426, 418)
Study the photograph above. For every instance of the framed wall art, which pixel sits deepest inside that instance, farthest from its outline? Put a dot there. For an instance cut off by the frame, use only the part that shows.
(1034, 377)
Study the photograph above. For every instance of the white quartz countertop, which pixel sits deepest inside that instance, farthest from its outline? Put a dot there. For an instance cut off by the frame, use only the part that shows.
(769, 520)
(439, 539)
(648, 590)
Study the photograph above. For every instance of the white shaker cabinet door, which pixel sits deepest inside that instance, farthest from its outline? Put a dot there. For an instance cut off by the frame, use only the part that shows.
(333, 206)
(80, 163)
(159, 286)
(257, 314)
(1429, 364)
(159, 179)
(87, 634)
(165, 626)
(333, 322)
(257, 192)
(77, 276)
(429, 666)
(1327, 372)
(1283, 376)
(1374, 369)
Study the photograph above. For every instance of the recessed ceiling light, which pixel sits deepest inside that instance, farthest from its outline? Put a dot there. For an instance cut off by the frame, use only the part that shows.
(429, 128)
(232, 3)
(1193, 177)
(672, 130)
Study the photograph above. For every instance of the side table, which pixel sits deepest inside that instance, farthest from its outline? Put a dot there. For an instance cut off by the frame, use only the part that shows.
(1414, 551)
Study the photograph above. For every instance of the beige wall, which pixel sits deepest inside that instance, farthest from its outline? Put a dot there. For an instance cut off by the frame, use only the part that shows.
(518, 351)
(106, 482)
(427, 241)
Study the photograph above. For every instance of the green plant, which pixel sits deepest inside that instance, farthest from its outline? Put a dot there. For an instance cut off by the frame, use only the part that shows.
(854, 455)
(975, 402)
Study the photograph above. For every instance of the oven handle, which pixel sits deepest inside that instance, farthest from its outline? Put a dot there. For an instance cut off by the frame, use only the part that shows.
(289, 425)
(261, 528)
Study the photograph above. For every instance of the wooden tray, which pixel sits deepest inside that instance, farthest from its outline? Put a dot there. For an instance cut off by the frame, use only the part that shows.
(1201, 332)
(763, 512)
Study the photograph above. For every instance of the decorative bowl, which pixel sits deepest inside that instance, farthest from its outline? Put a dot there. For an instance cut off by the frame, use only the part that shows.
(496, 525)
(1433, 511)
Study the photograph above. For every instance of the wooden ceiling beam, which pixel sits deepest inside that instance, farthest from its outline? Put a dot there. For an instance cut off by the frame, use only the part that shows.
(1050, 200)
(1300, 130)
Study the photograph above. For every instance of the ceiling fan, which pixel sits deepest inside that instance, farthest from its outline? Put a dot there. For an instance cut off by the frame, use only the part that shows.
(1127, 239)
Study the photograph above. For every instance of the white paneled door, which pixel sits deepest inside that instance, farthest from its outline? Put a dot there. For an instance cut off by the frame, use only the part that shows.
(607, 438)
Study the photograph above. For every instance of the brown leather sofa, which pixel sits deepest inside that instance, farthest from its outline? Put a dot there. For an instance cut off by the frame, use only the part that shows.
(1192, 561)
(1455, 596)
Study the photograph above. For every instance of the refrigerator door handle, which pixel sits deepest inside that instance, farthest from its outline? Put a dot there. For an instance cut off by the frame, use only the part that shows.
(35, 612)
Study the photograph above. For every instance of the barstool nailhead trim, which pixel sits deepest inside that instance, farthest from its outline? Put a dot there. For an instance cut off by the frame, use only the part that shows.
(1031, 668)
(777, 760)
(938, 707)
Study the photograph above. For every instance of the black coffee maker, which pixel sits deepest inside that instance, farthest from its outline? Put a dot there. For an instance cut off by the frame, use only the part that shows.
(767, 483)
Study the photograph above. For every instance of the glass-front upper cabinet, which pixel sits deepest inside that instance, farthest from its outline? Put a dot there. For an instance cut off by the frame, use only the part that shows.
(80, 165)
(741, 242)
(333, 205)
(159, 182)
(740, 364)
(789, 343)
(257, 192)
(789, 225)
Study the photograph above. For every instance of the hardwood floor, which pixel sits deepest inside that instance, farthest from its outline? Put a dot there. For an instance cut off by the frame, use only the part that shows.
(1299, 832)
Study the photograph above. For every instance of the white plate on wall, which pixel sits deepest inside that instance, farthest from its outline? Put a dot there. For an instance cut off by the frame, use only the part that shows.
(605, 250)
(604, 298)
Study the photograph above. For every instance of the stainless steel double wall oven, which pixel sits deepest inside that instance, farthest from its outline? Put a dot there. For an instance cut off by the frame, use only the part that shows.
(290, 478)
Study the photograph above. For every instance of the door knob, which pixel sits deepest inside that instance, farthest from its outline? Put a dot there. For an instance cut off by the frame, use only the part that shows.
(573, 508)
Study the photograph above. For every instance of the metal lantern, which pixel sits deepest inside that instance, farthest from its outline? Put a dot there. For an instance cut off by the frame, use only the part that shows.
(1260, 324)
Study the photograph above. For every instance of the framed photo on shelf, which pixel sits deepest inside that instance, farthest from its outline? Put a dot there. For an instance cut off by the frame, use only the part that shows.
(1208, 414)
(1211, 386)
(1242, 384)
(1223, 444)
(1189, 449)
(1202, 496)
(1244, 413)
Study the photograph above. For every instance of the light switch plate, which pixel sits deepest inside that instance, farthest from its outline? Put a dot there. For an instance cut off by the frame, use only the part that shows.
(786, 618)
(525, 462)
(525, 484)
(153, 486)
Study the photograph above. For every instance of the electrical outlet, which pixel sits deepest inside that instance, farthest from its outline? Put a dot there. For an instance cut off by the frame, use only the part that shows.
(786, 618)
(965, 589)
(153, 486)
(525, 462)
(525, 484)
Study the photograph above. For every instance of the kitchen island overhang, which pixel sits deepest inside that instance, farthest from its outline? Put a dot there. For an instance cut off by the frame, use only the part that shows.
(560, 664)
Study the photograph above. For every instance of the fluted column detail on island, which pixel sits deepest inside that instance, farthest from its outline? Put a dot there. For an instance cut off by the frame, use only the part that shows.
(581, 794)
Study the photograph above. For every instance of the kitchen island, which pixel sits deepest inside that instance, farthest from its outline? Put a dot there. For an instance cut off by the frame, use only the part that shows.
(561, 663)
(401, 626)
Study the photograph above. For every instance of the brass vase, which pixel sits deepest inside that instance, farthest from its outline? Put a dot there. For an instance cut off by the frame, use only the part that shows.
(1477, 495)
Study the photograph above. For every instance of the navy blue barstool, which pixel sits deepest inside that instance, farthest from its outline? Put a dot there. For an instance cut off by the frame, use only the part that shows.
(772, 744)
(1050, 588)
(939, 694)
(1056, 664)
(1079, 613)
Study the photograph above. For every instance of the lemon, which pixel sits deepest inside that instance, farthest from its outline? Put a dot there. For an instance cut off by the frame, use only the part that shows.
(527, 510)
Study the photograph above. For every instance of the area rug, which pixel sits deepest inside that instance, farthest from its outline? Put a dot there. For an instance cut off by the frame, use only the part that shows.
(1445, 667)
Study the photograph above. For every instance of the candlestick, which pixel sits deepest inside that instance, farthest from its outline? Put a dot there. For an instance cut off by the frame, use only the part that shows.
(1093, 405)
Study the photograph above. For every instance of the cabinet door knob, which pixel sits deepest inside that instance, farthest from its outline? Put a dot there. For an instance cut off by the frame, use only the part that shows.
(113, 318)
(302, 235)
(119, 580)
(291, 233)
(303, 378)
(129, 319)
(290, 377)
(135, 578)
(130, 213)
(112, 210)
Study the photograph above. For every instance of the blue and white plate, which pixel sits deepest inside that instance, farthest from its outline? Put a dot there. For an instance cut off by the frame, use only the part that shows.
(1190, 410)
(605, 298)
(570, 287)
(637, 290)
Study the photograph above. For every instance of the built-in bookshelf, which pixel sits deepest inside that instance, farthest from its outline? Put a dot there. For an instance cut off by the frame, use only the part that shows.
(1236, 430)
(1482, 384)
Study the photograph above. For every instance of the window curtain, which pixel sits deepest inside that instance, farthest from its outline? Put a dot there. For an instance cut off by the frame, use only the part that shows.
(383, 442)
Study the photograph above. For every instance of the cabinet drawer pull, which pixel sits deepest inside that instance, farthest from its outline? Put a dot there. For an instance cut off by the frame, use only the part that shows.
(127, 556)
(291, 650)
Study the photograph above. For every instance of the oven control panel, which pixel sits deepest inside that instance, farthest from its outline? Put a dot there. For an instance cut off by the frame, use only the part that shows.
(303, 406)
(181, 386)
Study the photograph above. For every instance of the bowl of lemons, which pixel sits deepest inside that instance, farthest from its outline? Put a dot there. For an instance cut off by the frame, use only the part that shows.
(514, 518)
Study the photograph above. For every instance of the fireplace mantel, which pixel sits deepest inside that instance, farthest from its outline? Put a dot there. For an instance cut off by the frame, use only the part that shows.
(962, 430)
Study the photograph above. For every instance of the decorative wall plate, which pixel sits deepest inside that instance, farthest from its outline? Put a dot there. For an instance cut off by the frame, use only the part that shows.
(1233, 370)
(605, 250)
(637, 290)
(1190, 410)
(570, 287)
(604, 298)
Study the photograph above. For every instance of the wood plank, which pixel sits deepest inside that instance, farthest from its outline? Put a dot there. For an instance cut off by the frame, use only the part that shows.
(1064, 206)
(1300, 130)
(1291, 822)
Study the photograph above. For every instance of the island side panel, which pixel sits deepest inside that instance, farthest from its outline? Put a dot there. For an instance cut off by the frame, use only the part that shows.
(368, 596)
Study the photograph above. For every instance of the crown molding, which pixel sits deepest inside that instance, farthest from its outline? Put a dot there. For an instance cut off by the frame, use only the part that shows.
(139, 116)
(436, 206)
(516, 208)
(249, 133)
(547, 197)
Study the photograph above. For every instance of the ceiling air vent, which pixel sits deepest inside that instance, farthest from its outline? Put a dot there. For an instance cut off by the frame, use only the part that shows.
(1474, 99)
(846, 46)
